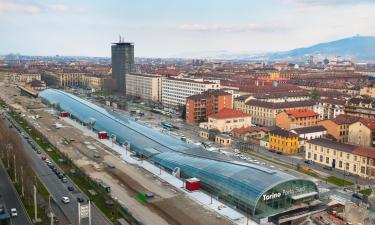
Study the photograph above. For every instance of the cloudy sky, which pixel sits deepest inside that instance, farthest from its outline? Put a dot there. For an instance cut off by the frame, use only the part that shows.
(163, 28)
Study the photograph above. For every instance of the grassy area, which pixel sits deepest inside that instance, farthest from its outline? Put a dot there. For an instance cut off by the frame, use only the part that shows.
(366, 192)
(338, 181)
(310, 173)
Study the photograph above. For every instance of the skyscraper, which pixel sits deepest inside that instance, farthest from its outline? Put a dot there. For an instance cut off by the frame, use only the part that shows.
(122, 62)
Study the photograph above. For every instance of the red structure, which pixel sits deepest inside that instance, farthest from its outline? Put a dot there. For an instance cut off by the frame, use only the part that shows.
(103, 135)
(193, 184)
(64, 114)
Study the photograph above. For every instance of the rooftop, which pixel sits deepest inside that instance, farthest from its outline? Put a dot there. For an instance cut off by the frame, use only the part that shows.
(311, 129)
(205, 94)
(228, 113)
(333, 144)
(282, 133)
(345, 119)
(300, 113)
(281, 105)
(243, 130)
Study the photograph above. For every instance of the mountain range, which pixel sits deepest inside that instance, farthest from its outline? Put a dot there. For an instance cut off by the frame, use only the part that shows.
(359, 48)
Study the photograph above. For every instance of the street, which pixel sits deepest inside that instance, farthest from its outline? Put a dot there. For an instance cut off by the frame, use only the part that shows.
(9, 196)
(58, 189)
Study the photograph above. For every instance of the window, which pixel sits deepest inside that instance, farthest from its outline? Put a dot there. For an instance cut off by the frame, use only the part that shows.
(340, 164)
(327, 160)
(363, 170)
(309, 155)
(321, 158)
(347, 156)
(355, 168)
(314, 156)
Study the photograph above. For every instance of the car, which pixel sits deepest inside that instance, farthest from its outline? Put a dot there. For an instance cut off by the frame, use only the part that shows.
(309, 162)
(38, 152)
(64, 180)
(65, 200)
(60, 176)
(44, 157)
(13, 212)
(80, 199)
(70, 188)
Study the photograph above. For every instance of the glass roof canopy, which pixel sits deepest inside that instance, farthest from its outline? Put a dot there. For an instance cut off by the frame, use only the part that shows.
(241, 184)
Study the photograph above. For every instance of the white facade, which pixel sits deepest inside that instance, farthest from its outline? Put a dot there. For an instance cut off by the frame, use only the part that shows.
(175, 91)
(312, 135)
(328, 110)
(144, 86)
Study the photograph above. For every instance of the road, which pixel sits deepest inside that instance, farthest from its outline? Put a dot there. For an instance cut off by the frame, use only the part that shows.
(9, 196)
(58, 189)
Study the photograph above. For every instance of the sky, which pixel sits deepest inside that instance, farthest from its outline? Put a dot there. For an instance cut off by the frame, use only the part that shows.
(170, 28)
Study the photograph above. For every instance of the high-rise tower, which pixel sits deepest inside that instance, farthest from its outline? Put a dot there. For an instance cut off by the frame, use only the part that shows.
(122, 62)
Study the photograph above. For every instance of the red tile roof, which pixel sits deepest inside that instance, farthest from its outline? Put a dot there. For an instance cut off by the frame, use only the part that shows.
(228, 113)
(301, 113)
(363, 151)
(370, 123)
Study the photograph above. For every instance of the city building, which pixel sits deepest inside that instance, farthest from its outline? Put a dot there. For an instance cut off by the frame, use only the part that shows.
(261, 192)
(122, 63)
(338, 128)
(176, 90)
(309, 133)
(228, 119)
(361, 107)
(264, 113)
(283, 141)
(35, 85)
(348, 158)
(200, 106)
(362, 133)
(368, 90)
(250, 133)
(296, 118)
(329, 108)
(144, 86)
(22, 78)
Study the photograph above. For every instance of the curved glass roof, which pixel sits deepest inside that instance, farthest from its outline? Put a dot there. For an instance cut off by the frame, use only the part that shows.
(242, 181)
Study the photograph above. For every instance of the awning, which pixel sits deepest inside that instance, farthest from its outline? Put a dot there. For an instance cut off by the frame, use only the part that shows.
(297, 197)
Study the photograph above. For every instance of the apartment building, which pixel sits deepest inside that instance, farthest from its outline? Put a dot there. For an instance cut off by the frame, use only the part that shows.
(329, 108)
(368, 90)
(362, 133)
(342, 156)
(228, 119)
(283, 141)
(264, 113)
(200, 106)
(338, 128)
(144, 86)
(23, 78)
(176, 90)
(361, 107)
(296, 118)
(93, 82)
(286, 96)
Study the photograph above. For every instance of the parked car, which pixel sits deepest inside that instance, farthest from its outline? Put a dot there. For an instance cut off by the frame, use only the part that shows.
(70, 188)
(80, 199)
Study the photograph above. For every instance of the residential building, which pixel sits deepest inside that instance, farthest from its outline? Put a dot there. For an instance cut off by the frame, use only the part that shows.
(312, 132)
(341, 156)
(338, 128)
(93, 82)
(285, 96)
(228, 119)
(144, 86)
(283, 141)
(200, 106)
(176, 90)
(35, 85)
(361, 107)
(368, 91)
(264, 113)
(362, 132)
(70, 78)
(122, 63)
(329, 108)
(250, 133)
(23, 78)
(296, 118)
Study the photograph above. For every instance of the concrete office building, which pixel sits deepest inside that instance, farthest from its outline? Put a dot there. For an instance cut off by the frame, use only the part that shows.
(122, 63)
(144, 86)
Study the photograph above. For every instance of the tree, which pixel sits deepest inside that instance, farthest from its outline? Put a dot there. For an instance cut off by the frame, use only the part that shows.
(315, 94)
